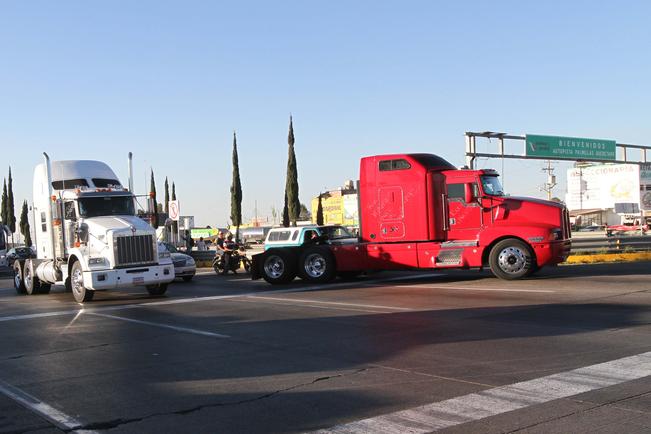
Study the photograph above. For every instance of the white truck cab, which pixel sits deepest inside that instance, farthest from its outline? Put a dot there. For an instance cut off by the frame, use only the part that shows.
(88, 236)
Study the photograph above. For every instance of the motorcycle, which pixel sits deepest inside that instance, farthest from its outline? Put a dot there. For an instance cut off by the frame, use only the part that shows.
(238, 260)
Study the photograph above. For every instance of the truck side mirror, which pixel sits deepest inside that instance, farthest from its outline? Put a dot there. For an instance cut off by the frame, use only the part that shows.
(468, 195)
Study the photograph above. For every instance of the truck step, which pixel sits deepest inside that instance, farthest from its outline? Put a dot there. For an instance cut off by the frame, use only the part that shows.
(449, 257)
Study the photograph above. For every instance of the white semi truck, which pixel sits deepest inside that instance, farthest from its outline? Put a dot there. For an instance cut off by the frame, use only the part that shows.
(88, 236)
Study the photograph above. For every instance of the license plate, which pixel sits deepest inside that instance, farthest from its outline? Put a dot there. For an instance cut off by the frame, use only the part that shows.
(138, 280)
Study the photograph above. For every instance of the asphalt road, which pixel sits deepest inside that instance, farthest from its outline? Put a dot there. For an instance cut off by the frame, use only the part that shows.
(565, 351)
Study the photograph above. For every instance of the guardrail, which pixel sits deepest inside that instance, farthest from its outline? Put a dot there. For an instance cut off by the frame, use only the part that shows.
(620, 244)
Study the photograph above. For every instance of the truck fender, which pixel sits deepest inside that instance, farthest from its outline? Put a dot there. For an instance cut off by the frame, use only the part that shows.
(487, 250)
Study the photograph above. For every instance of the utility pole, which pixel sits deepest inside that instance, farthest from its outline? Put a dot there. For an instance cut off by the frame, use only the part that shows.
(551, 180)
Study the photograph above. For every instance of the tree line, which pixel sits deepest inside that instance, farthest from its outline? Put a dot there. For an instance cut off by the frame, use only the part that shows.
(292, 207)
(7, 212)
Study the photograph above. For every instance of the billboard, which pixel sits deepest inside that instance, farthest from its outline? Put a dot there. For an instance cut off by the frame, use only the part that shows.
(645, 186)
(600, 187)
(338, 209)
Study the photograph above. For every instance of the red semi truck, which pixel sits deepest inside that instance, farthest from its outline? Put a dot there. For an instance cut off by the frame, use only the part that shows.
(417, 211)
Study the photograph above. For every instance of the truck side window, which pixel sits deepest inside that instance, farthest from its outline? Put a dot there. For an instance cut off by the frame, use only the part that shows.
(456, 192)
(399, 164)
(43, 224)
(69, 211)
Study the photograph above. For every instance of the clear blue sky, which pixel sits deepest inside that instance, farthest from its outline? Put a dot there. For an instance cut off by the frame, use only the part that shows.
(170, 81)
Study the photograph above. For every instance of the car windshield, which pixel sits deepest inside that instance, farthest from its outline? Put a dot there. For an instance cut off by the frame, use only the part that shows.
(492, 185)
(336, 232)
(106, 205)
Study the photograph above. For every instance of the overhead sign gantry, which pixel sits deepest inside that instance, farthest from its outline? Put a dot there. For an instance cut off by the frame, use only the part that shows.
(542, 147)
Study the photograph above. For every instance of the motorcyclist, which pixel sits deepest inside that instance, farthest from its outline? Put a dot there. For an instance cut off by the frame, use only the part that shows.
(229, 247)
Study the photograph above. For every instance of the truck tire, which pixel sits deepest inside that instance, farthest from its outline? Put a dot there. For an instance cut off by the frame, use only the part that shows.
(19, 283)
(317, 265)
(159, 289)
(278, 266)
(511, 259)
(33, 284)
(79, 291)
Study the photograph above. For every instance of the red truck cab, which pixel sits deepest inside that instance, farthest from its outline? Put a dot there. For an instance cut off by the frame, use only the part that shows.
(417, 211)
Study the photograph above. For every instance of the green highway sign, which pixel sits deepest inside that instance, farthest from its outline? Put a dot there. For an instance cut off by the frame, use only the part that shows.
(575, 148)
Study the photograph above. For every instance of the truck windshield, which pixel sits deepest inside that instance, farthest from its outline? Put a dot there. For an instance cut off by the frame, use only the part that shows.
(492, 185)
(106, 205)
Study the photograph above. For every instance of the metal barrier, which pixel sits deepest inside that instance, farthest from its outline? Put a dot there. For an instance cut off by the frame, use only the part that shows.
(611, 244)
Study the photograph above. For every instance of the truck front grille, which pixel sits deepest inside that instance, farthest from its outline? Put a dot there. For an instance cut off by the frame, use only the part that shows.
(567, 226)
(134, 250)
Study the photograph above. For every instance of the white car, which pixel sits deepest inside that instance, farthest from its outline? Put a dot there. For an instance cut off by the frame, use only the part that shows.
(184, 265)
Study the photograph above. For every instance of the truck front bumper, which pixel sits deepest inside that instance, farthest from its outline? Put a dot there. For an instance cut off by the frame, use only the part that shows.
(553, 252)
(128, 277)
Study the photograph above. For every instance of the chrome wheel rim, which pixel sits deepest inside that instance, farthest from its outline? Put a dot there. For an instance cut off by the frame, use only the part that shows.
(512, 260)
(27, 277)
(274, 266)
(17, 279)
(77, 281)
(315, 265)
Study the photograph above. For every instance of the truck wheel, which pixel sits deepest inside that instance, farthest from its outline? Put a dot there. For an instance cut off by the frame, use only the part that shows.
(31, 281)
(159, 289)
(19, 283)
(79, 291)
(278, 267)
(510, 259)
(317, 264)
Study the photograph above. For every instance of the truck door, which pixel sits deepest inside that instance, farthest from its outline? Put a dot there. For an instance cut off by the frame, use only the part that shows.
(391, 213)
(464, 210)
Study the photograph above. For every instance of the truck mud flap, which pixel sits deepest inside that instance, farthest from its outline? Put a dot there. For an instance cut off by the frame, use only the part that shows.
(255, 266)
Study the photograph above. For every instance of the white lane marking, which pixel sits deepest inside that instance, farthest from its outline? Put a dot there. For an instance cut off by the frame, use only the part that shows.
(348, 309)
(295, 300)
(51, 414)
(471, 288)
(161, 325)
(210, 298)
(498, 400)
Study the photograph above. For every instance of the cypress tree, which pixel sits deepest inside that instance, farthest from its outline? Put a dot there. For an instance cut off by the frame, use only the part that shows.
(3, 209)
(167, 196)
(285, 213)
(11, 215)
(291, 186)
(236, 192)
(319, 213)
(24, 225)
(175, 229)
(152, 194)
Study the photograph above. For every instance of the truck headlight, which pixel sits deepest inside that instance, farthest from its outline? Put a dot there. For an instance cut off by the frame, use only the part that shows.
(97, 261)
(164, 254)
